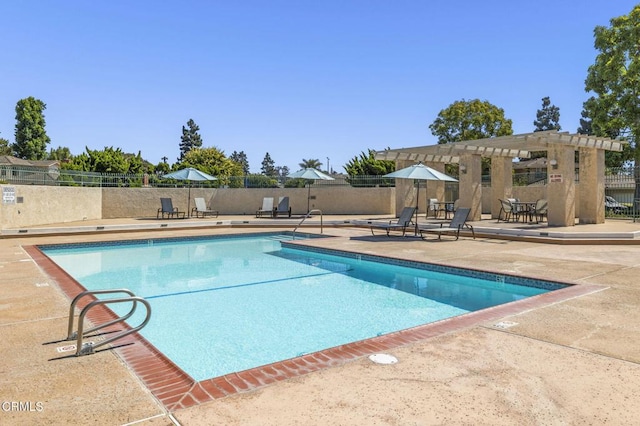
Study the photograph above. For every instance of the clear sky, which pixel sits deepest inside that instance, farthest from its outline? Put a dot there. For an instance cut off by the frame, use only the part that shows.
(297, 79)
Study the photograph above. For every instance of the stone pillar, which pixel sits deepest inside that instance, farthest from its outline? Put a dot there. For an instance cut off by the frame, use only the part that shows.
(471, 184)
(501, 182)
(561, 187)
(405, 194)
(591, 185)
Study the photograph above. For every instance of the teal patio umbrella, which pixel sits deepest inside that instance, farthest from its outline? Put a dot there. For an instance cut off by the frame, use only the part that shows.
(189, 174)
(420, 172)
(310, 174)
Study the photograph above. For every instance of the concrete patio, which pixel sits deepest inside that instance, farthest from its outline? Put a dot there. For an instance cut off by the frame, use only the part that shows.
(570, 362)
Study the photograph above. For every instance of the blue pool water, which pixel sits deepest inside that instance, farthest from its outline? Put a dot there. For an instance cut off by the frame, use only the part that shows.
(222, 305)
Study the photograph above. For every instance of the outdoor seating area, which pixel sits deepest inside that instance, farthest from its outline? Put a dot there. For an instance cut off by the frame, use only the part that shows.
(512, 209)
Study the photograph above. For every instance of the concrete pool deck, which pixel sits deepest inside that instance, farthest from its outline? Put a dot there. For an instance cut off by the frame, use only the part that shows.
(567, 362)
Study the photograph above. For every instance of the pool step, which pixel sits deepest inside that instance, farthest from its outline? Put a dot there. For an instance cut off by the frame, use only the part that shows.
(280, 237)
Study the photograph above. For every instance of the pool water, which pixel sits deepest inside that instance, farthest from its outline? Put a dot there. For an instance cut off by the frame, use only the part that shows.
(222, 305)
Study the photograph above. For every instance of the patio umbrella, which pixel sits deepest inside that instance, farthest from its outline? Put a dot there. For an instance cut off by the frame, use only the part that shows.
(189, 174)
(420, 172)
(310, 174)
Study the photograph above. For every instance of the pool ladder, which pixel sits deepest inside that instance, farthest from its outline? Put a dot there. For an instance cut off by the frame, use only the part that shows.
(80, 334)
(304, 218)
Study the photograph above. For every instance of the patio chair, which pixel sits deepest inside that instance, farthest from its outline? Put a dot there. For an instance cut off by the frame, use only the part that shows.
(267, 207)
(405, 219)
(450, 208)
(507, 212)
(458, 222)
(283, 207)
(168, 209)
(432, 208)
(202, 209)
(540, 210)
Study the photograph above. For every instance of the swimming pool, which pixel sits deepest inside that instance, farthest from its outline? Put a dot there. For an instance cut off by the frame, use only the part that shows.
(227, 304)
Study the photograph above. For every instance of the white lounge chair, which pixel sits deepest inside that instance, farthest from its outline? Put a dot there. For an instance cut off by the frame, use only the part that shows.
(202, 209)
(267, 207)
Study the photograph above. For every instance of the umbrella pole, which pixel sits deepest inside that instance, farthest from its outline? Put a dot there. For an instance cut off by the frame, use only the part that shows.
(308, 197)
(189, 201)
(415, 234)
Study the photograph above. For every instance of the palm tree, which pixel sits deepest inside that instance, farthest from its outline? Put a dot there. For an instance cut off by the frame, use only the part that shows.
(310, 164)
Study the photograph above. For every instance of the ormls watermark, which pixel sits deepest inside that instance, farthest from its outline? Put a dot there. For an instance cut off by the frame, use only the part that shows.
(14, 406)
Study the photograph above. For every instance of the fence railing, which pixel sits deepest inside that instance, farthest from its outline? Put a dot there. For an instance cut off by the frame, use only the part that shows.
(20, 175)
(615, 178)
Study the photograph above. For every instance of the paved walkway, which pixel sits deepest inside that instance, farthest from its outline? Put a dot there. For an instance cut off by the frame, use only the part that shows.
(570, 362)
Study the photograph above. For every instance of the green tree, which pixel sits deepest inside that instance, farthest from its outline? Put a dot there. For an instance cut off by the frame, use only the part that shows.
(614, 78)
(469, 120)
(5, 148)
(30, 135)
(241, 158)
(611, 158)
(547, 118)
(282, 171)
(313, 163)
(162, 168)
(61, 153)
(190, 138)
(137, 165)
(214, 162)
(268, 166)
(367, 165)
(109, 160)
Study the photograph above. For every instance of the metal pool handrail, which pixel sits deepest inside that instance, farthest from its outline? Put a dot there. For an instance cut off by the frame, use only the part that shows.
(304, 218)
(88, 348)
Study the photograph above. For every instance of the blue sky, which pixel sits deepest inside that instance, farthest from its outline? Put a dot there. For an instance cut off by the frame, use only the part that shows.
(297, 79)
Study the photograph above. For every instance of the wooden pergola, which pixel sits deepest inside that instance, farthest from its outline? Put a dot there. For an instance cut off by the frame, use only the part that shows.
(561, 188)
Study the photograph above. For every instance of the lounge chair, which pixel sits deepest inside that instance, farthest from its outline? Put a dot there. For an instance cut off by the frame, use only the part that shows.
(540, 210)
(202, 209)
(405, 219)
(456, 224)
(283, 207)
(267, 207)
(168, 209)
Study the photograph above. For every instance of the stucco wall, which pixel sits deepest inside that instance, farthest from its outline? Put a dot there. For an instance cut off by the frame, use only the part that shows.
(38, 205)
(144, 202)
(41, 205)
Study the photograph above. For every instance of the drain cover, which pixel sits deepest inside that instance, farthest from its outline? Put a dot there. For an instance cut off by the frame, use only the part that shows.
(383, 359)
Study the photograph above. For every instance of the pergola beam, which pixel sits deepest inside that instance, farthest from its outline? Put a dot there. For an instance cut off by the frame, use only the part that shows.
(502, 146)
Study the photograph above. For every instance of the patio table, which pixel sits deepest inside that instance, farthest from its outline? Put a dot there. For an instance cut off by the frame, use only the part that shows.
(524, 208)
(443, 206)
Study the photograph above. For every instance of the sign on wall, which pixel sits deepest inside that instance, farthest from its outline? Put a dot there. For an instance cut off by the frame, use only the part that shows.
(8, 195)
(555, 178)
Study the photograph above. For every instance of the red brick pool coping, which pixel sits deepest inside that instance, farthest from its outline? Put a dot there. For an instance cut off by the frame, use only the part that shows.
(176, 390)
